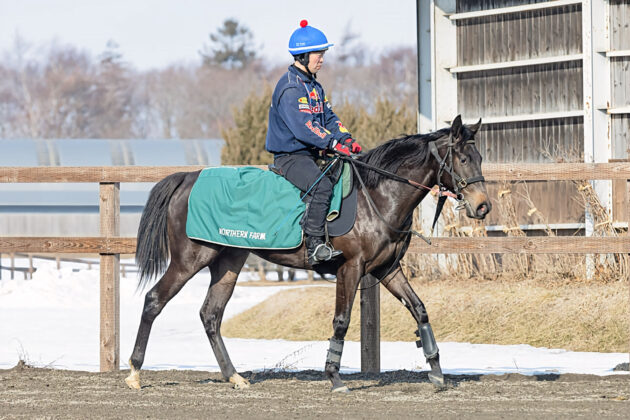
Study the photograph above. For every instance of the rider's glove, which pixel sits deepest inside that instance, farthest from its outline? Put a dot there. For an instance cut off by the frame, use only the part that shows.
(340, 148)
(354, 146)
(348, 144)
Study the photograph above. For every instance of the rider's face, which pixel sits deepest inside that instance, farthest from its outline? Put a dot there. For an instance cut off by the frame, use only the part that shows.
(315, 61)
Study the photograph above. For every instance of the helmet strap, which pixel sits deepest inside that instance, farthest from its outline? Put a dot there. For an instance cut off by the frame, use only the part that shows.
(303, 59)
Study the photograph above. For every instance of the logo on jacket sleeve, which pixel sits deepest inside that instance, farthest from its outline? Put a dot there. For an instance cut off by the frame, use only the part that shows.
(315, 130)
(342, 129)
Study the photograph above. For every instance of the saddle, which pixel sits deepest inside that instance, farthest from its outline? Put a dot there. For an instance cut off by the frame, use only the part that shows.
(338, 223)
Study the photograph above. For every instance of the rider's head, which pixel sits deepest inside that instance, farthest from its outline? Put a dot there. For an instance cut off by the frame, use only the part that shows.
(307, 46)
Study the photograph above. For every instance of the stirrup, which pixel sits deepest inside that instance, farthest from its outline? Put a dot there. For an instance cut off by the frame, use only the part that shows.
(323, 253)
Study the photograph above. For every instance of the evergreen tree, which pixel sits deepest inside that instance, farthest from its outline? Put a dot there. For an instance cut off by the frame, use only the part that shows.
(245, 142)
(232, 46)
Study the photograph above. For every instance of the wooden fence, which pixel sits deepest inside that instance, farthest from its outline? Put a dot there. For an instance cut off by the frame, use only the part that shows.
(110, 245)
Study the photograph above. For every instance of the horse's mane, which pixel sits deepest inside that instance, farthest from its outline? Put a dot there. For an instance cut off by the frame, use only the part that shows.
(408, 149)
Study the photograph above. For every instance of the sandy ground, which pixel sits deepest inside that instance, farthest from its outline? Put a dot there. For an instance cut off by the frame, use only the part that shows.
(47, 393)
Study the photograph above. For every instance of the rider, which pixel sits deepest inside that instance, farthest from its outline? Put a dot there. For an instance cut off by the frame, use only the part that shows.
(301, 125)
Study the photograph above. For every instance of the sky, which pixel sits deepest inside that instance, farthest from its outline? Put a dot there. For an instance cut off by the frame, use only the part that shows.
(154, 33)
(53, 321)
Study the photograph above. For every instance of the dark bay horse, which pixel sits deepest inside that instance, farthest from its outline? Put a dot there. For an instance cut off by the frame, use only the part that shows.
(375, 244)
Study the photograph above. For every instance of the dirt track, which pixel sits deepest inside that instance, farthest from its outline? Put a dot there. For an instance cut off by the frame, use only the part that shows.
(45, 393)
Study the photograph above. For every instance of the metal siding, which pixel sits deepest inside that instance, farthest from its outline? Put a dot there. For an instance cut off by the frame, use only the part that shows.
(474, 6)
(621, 136)
(620, 72)
(520, 36)
(522, 90)
(529, 141)
(620, 77)
(619, 27)
(541, 88)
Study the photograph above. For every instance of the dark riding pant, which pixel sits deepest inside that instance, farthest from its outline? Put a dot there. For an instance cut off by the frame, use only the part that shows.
(302, 171)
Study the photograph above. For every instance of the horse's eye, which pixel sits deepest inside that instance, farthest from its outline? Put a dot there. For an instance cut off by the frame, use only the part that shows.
(463, 160)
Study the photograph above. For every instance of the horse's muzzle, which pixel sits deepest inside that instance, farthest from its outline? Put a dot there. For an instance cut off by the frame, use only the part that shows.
(482, 210)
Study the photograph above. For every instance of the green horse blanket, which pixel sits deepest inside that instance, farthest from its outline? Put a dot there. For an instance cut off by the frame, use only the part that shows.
(247, 207)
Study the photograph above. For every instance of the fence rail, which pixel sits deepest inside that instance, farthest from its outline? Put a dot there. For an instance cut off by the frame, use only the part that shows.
(491, 171)
(109, 245)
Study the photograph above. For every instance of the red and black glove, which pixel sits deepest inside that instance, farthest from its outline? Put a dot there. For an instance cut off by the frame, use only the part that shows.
(341, 148)
(347, 146)
(354, 146)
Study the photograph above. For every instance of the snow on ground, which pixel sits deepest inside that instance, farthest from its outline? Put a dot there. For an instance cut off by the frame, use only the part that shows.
(53, 320)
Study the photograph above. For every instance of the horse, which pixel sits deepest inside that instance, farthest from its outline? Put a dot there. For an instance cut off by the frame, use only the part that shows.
(375, 244)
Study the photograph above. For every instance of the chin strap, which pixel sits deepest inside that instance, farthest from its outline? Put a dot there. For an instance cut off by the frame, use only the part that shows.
(303, 60)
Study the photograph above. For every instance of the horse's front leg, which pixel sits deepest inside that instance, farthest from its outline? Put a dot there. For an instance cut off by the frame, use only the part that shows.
(348, 278)
(397, 284)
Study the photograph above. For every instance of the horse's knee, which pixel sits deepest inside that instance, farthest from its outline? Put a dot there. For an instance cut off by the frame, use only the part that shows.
(340, 326)
(152, 306)
(210, 323)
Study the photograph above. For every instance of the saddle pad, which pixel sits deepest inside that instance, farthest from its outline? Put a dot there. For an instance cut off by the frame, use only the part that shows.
(247, 207)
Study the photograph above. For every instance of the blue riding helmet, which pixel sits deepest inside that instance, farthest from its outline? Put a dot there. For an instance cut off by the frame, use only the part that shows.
(307, 39)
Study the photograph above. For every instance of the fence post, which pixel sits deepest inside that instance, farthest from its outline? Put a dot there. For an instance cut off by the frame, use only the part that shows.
(370, 325)
(627, 208)
(110, 279)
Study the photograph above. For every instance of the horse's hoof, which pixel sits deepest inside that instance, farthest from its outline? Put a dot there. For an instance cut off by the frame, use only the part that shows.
(341, 389)
(239, 382)
(437, 380)
(133, 380)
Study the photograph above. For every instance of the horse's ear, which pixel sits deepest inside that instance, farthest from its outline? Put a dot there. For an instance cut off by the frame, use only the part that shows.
(475, 127)
(456, 127)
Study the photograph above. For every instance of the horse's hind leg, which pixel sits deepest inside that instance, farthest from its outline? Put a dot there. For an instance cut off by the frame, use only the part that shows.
(397, 284)
(175, 277)
(224, 272)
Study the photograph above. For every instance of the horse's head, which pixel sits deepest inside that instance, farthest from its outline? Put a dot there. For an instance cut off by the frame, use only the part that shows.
(460, 168)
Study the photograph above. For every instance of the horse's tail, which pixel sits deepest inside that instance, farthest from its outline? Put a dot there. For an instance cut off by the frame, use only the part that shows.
(152, 250)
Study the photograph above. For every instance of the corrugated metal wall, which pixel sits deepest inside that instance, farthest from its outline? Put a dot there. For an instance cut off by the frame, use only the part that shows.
(620, 73)
(525, 89)
(532, 89)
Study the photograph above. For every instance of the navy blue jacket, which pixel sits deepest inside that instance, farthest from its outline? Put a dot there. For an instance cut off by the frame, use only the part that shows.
(301, 119)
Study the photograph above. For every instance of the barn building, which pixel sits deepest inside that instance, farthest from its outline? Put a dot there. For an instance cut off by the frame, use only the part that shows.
(551, 80)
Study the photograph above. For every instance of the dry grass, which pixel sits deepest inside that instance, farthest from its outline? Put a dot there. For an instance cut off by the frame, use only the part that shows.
(574, 316)
(544, 300)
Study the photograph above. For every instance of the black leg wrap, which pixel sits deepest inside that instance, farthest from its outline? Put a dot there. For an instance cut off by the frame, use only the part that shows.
(429, 345)
(334, 352)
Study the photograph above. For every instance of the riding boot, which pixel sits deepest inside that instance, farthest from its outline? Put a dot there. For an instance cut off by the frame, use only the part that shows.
(318, 251)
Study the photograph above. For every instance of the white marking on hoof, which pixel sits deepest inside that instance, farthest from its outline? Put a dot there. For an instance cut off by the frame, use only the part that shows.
(437, 380)
(239, 382)
(342, 389)
(133, 380)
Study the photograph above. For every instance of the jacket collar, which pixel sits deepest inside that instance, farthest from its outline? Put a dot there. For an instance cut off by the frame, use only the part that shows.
(302, 74)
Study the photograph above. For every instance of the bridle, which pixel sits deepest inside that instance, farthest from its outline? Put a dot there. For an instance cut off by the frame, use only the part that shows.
(446, 165)
(459, 183)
